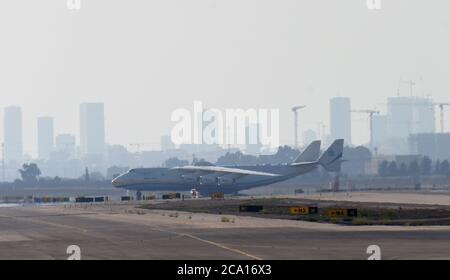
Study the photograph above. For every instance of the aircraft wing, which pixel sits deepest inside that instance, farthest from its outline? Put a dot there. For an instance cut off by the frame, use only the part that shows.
(304, 163)
(226, 170)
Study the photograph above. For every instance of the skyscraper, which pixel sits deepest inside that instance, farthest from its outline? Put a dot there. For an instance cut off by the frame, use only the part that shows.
(92, 129)
(408, 115)
(13, 134)
(45, 137)
(340, 119)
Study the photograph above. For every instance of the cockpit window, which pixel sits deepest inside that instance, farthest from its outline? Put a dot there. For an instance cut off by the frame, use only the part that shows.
(132, 170)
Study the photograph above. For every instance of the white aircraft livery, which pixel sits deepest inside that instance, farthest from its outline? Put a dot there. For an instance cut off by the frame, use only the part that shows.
(208, 178)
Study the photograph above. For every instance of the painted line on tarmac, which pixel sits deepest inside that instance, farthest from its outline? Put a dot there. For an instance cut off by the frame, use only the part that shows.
(221, 246)
(37, 221)
(181, 234)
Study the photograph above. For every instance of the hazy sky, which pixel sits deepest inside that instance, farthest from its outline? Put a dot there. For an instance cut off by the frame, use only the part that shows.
(145, 58)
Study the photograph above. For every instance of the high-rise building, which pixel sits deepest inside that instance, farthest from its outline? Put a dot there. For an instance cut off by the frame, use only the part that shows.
(92, 129)
(340, 119)
(408, 115)
(13, 149)
(45, 137)
(426, 116)
(379, 128)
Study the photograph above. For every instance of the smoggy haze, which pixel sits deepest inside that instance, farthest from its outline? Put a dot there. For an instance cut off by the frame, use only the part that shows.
(144, 59)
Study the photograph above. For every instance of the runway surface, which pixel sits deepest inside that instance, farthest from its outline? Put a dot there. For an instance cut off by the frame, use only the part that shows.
(122, 232)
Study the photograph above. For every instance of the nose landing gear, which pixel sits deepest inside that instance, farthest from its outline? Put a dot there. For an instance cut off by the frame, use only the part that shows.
(194, 193)
(138, 195)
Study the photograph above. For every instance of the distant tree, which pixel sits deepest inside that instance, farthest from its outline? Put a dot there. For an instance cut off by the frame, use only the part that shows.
(237, 158)
(361, 152)
(114, 171)
(174, 162)
(425, 166)
(30, 172)
(437, 167)
(414, 168)
(393, 169)
(96, 177)
(285, 154)
(196, 160)
(383, 168)
(445, 168)
(403, 171)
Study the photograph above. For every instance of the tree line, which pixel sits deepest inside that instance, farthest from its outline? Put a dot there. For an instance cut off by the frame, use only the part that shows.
(423, 166)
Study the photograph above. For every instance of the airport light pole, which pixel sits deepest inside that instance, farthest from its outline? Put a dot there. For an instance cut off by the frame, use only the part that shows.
(441, 108)
(3, 162)
(296, 109)
(371, 113)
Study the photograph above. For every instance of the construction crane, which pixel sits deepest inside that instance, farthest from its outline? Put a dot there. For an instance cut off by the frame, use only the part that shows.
(371, 113)
(441, 108)
(295, 110)
(411, 86)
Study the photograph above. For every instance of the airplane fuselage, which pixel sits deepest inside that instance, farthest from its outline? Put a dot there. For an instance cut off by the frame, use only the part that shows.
(156, 179)
(208, 178)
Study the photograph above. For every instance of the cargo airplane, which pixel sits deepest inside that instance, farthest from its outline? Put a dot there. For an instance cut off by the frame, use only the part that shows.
(207, 178)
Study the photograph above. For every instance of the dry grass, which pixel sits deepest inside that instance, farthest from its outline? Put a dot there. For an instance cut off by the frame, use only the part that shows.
(225, 219)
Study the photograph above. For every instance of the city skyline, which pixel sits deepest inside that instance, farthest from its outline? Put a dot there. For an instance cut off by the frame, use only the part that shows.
(92, 122)
(359, 125)
(142, 72)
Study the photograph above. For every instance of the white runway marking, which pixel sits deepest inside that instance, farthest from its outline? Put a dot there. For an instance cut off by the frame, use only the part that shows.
(223, 247)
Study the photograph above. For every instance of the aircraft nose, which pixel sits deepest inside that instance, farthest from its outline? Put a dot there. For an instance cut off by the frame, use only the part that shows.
(117, 182)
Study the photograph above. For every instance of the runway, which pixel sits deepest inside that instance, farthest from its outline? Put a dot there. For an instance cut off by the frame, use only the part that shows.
(121, 232)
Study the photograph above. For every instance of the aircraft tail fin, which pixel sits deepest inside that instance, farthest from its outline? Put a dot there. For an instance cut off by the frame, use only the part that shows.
(331, 159)
(310, 154)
